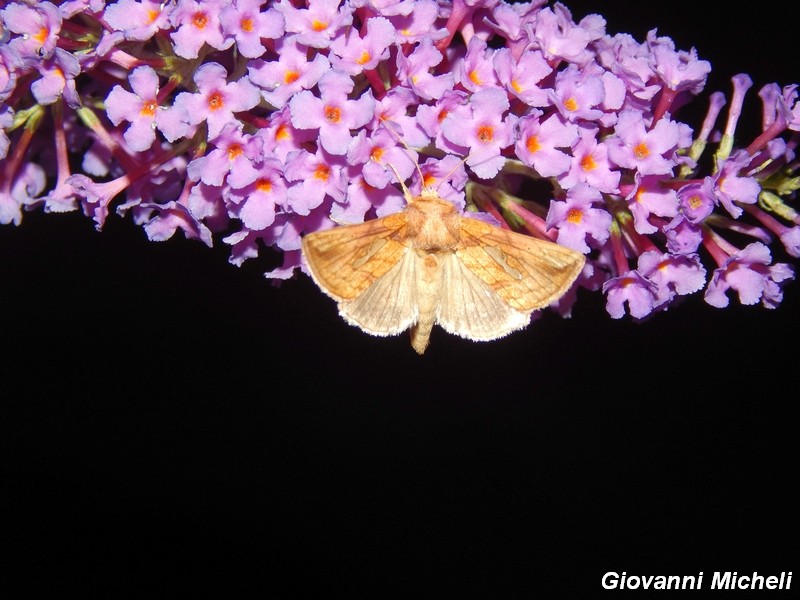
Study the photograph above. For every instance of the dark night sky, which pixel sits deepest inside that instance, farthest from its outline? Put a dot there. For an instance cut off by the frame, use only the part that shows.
(165, 413)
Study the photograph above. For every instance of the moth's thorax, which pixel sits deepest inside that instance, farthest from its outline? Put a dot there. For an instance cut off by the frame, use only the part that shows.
(433, 223)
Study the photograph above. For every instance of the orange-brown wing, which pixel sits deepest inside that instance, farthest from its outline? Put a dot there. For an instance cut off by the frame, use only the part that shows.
(345, 261)
(525, 272)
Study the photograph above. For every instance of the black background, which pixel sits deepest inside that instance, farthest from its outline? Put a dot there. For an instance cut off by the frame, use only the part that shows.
(169, 419)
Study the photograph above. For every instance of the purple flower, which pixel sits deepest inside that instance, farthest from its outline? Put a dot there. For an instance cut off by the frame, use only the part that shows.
(247, 25)
(333, 114)
(416, 70)
(381, 157)
(577, 96)
(419, 24)
(58, 79)
(750, 274)
(538, 142)
(731, 187)
(521, 76)
(259, 200)
(6, 120)
(697, 200)
(649, 197)
(559, 37)
(672, 274)
(648, 151)
(139, 108)
(678, 70)
(316, 25)
(476, 71)
(280, 80)
(314, 177)
(577, 217)
(216, 100)
(484, 131)
(197, 23)
(137, 19)
(37, 28)
(590, 164)
(632, 288)
(354, 54)
(168, 218)
(231, 160)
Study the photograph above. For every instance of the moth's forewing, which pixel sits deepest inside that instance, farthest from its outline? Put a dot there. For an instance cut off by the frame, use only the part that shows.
(468, 306)
(389, 305)
(526, 273)
(346, 260)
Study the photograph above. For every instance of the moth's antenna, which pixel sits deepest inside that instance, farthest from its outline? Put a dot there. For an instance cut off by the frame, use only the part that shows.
(406, 193)
(407, 147)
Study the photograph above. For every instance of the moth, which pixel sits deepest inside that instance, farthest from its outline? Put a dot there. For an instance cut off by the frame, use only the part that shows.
(428, 265)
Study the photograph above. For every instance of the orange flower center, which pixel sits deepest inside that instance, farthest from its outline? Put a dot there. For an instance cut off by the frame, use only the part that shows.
(318, 25)
(264, 185)
(322, 172)
(475, 78)
(200, 20)
(41, 35)
(215, 101)
(695, 201)
(641, 151)
(282, 132)
(485, 134)
(246, 24)
(587, 163)
(333, 114)
(234, 151)
(575, 215)
(148, 108)
(364, 58)
(532, 144)
(376, 154)
(290, 77)
(571, 104)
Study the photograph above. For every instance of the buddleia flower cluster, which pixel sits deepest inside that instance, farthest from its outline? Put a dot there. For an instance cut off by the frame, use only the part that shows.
(253, 123)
